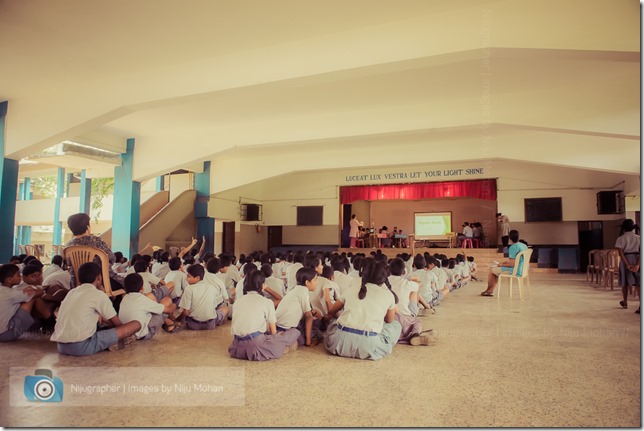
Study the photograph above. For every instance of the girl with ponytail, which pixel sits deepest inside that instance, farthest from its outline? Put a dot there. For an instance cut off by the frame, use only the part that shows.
(367, 328)
(253, 326)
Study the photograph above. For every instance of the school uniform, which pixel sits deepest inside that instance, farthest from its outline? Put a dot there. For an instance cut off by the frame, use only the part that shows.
(136, 306)
(342, 280)
(75, 331)
(629, 242)
(217, 282)
(360, 331)
(60, 278)
(291, 309)
(149, 280)
(276, 285)
(204, 310)
(291, 272)
(230, 278)
(180, 280)
(317, 296)
(50, 270)
(407, 310)
(14, 321)
(251, 315)
(441, 276)
(161, 270)
(425, 284)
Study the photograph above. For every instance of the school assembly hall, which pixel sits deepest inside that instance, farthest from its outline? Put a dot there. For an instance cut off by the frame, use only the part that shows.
(265, 125)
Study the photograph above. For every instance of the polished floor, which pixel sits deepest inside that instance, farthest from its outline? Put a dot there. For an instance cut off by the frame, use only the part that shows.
(568, 357)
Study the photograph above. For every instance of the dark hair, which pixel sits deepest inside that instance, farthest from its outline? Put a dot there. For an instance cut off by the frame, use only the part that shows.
(375, 272)
(164, 257)
(57, 260)
(312, 261)
(327, 272)
(225, 260)
(470, 258)
(514, 236)
(248, 267)
(397, 267)
(30, 259)
(188, 259)
(305, 274)
(196, 271)
(30, 269)
(8, 270)
(254, 281)
(267, 270)
(78, 223)
(133, 283)
(628, 225)
(419, 261)
(140, 266)
(213, 266)
(88, 272)
(118, 256)
(174, 263)
(35, 262)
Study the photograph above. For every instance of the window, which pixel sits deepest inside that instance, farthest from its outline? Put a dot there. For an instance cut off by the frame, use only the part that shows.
(309, 216)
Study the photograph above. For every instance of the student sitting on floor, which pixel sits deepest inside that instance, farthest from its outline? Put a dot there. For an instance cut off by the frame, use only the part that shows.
(463, 269)
(472, 267)
(19, 308)
(160, 289)
(294, 310)
(421, 276)
(253, 315)
(213, 276)
(201, 311)
(229, 274)
(80, 312)
(150, 314)
(56, 265)
(434, 266)
(367, 327)
(407, 293)
(177, 277)
(275, 288)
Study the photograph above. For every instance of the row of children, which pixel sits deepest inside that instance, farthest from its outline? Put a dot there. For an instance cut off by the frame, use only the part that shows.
(204, 295)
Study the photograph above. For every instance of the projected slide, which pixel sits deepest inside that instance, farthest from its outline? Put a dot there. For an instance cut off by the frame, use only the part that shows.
(432, 225)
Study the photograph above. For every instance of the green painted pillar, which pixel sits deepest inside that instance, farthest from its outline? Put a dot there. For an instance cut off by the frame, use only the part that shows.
(205, 224)
(57, 237)
(85, 193)
(127, 205)
(8, 194)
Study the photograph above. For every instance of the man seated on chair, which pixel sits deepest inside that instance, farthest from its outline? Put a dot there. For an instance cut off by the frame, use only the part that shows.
(516, 247)
(468, 233)
(80, 312)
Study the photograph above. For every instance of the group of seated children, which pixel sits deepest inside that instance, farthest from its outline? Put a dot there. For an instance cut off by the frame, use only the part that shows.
(359, 306)
(395, 239)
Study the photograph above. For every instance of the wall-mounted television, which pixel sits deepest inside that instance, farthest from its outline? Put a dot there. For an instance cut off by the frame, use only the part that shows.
(543, 209)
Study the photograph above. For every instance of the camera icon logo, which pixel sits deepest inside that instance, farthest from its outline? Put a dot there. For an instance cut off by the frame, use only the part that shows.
(43, 387)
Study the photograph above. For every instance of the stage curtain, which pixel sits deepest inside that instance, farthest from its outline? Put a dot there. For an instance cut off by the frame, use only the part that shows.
(481, 189)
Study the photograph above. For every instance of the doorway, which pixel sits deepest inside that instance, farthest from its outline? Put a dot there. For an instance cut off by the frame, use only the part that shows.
(274, 237)
(228, 238)
(591, 237)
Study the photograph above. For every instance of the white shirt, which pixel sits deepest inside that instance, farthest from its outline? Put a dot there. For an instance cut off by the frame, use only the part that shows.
(180, 280)
(10, 300)
(161, 270)
(239, 289)
(148, 280)
(366, 314)
(230, 277)
(317, 296)
(79, 313)
(48, 271)
(217, 282)
(61, 278)
(292, 307)
(354, 224)
(464, 269)
(441, 276)
(403, 288)
(251, 314)
(629, 242)
(425, 284)
(201, 299)
(136, 306)
(342, 280)
(276, 285)
(291, 272)
(468, 232)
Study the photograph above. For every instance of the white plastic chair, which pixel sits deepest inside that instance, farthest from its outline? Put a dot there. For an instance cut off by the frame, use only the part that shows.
(524, 264)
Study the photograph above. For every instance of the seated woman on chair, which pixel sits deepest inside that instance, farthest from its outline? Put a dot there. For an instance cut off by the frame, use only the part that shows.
(516, 247)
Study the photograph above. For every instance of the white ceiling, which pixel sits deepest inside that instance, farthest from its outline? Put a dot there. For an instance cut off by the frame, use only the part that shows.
(553, 81)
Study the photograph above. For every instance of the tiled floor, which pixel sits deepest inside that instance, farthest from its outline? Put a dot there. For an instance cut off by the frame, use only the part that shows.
(568, 357)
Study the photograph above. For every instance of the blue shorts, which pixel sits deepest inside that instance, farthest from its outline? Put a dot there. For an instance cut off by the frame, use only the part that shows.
(18, 325)
(101, 340)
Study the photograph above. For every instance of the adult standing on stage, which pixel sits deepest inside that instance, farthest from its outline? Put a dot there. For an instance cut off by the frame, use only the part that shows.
(353, 232)
(505, 228)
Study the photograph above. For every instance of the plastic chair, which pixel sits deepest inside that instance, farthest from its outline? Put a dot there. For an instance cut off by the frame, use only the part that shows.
(76, 255)
(524, 264)
(465, 243)
(174, 251)
(611, 268)
(590, 269)
(599, 262)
